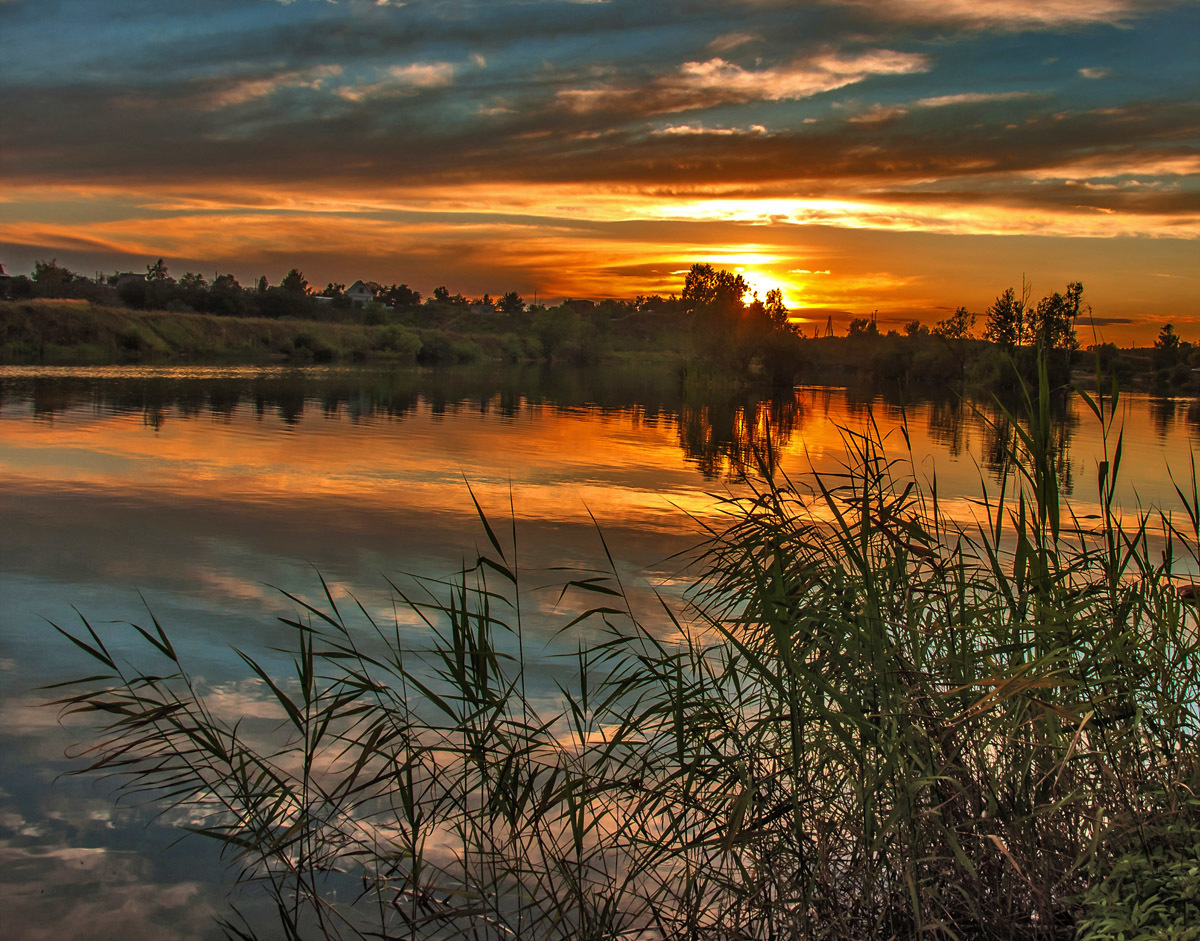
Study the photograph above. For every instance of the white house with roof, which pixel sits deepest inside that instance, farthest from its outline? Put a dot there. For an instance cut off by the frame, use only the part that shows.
(361, 293)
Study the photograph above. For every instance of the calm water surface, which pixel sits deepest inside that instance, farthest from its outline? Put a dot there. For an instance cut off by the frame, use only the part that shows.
(201, 494)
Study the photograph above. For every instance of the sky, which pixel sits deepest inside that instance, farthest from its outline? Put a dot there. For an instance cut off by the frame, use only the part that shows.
(898, 156)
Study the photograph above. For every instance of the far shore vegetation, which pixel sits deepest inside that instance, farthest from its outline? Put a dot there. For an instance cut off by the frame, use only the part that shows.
(710, 332)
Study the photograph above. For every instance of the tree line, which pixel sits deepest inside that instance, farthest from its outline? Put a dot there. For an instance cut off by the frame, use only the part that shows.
(716, 321)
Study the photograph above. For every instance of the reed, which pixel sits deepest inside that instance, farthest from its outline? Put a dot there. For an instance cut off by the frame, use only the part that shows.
(873, 719)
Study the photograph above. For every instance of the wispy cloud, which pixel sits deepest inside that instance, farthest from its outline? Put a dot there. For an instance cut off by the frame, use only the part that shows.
(696, 85)
(695, 130)
(970, 98)
(727, 41)
(401, 80)
(253, 89)
(1010, 13)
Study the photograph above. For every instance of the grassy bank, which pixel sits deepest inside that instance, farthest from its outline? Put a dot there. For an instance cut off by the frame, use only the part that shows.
(874, 721)
(76, 333)
(66, 332)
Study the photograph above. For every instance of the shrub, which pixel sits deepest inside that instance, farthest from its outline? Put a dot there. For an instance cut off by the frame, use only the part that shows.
(396, 339)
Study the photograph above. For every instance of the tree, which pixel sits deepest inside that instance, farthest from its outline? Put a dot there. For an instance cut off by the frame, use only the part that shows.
(226, 297)
(777, 313)
(914, 328)
(512, 303)
(402, 296)
(957, 326)
(1051, 324)
(1166, 347)
(441, 295)
(862, 327)
(294, 282)
(157, 271)
(706, 287)
(50, 275)
(1006, 321)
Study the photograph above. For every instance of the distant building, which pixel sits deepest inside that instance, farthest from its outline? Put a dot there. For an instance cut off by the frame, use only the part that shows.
(361, 293)
(5, 282)
(125, 277)
(579, 305)
(484, 309)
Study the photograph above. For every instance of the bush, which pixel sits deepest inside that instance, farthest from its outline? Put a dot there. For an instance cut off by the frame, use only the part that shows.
(396, 339)
(1151, 889)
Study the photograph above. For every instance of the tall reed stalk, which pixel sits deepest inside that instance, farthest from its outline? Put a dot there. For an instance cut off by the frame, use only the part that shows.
(873, 721)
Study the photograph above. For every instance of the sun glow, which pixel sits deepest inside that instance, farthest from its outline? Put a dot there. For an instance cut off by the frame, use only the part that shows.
(762, 270)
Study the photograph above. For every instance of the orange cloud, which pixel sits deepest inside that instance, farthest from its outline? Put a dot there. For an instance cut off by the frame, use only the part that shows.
(1010, 13)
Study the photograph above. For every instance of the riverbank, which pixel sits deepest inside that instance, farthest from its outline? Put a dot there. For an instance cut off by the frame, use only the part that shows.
(64, 332)
(69, 333)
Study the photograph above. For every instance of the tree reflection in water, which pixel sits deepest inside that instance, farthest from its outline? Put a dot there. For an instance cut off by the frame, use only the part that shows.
(723, 434)
(732, 436)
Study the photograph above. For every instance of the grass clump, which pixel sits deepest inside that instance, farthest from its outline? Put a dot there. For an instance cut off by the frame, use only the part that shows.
(875, 720)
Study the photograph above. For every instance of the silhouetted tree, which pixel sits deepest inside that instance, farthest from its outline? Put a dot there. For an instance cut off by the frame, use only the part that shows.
(861, 327)
(957, 326)
(1166, 347)
(1051, 324)
(294, 282)
(1006, 321)
(511, 303)
(50, 276)
(226, 297)
(776, 312)
(157, 271)
(402, 296)
(708, 288)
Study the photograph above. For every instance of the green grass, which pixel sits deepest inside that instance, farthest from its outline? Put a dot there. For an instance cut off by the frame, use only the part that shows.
(872, 721)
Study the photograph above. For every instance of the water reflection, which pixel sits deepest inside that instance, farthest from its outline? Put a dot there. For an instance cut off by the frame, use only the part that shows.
(1001, 439)
(1163, 412)
(740, 435)
(201, 488)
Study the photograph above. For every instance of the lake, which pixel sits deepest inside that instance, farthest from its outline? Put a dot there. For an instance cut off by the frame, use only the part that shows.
(204, 494)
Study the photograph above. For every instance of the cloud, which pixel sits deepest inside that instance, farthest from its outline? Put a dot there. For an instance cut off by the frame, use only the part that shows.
(401, 80)
(242, 91)
(423, 74)
(1011, 14)
(728, 41)
(970, 98)
(717, 81)
(878, 113)
(693, 130)
(1093, 72)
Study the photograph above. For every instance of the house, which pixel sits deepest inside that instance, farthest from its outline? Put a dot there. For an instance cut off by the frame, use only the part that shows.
(361, 293)
(5, 282)
(125, 277)
(578, 305)
(484, 309)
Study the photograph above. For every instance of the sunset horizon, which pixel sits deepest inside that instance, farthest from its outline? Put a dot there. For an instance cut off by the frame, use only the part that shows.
(896, 160)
